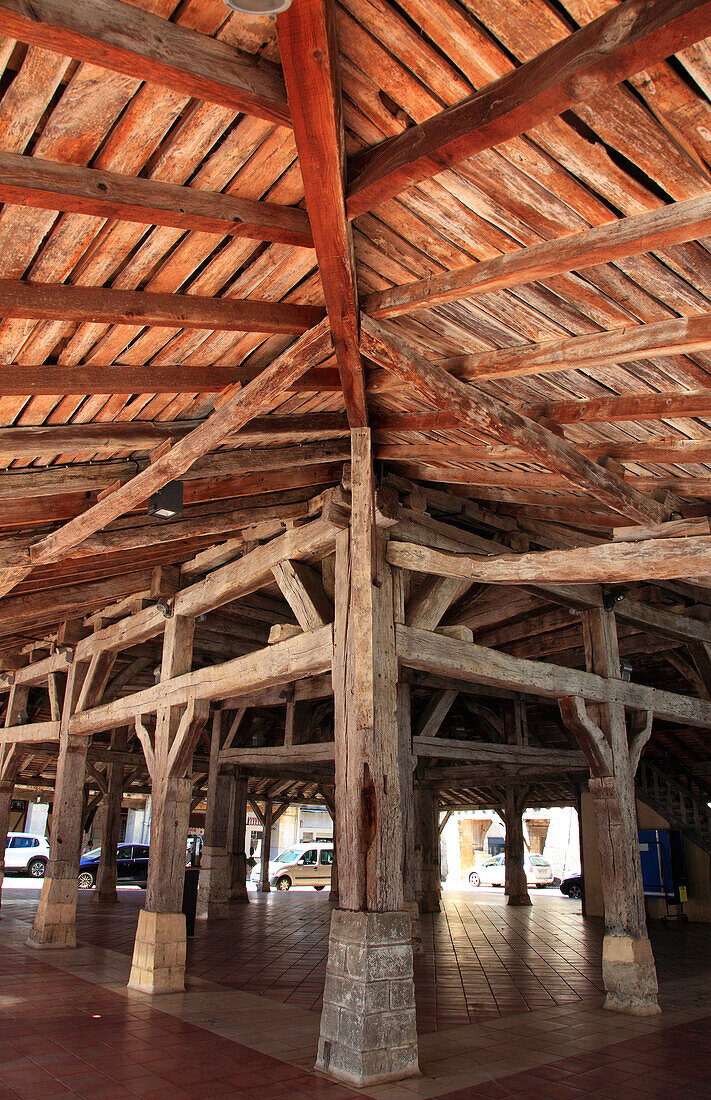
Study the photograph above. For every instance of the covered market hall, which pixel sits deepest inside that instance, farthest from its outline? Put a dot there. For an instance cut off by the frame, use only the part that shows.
(355, 465)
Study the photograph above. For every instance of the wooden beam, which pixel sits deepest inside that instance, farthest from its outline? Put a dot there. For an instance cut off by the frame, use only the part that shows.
(486, 413)
(298, 657)
(89, 477)
(448, 748)
(63, 302)
(678, 336)
(276, 755)
(235, 410)
(637, 406)
(29, 733)
(48, 185)
(606, 51)
(125, 39)
(69, 600)
(437, 709)
(302, 589)
(136, 435)
(609, 563)
(439, 655)
(673, 224)
(308, 47)
(666, 449)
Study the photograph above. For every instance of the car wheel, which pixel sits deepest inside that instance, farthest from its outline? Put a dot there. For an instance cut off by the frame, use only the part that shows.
(36, 868)
(284, 883)
(85, 880)
(575, 892)
(319, 887)
(474, 879)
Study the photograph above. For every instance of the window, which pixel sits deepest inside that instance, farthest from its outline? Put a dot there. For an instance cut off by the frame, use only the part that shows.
(22, 842)
(327, 856)
(289, 856)
(124, 852)
(539, 861)
(309, 858)
(140, 851)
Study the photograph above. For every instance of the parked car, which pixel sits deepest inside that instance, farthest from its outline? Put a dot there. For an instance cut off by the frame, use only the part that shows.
(493, 872)
(131, 866)
(573, 886)
(26, 854)
(303, 865)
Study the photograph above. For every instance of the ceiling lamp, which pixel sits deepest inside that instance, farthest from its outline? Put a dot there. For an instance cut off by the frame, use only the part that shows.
(258, 7)
(167, 502)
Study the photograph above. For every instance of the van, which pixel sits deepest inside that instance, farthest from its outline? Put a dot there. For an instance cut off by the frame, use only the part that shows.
(302, 865)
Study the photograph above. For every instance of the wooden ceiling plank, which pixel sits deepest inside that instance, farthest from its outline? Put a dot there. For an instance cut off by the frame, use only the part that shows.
(656, 229)
(62, 302)
(308, 46)
(50, 185)
(487, 413)
(125, 39)
(606, 51)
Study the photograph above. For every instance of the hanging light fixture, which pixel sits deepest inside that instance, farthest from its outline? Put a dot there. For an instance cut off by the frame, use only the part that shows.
(258, 7)
(167, 502)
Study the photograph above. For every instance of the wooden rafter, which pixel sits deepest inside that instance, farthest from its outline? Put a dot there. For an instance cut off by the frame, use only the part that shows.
(47, 185)
(308, 47)
(126, 39)
(674, 224)
(487, 413)
(611, 48)
(60, 302)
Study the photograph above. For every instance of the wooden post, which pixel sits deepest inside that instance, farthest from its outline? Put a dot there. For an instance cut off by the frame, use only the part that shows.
(10, 760)
(214, 885)
(427, 851)
(516, 884)
(158, 964)
(327, 794)
(238, 818)
(628, 970)
(55, 920)
(406, 770)
(264, 886)
(368, 1030)
(106, 874)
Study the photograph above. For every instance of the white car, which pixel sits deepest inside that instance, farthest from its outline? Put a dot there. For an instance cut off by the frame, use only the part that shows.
(538, 872)
(26, 853)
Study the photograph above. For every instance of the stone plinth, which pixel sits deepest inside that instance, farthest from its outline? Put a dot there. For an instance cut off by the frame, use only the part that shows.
(629, 976)
(158, 964)
(55, 923)
(368, 1033)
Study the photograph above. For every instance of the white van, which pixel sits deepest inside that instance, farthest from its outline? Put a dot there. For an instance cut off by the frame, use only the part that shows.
(302, 865)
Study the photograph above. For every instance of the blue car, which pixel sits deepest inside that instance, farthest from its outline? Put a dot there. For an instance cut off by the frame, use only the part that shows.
(131, 866)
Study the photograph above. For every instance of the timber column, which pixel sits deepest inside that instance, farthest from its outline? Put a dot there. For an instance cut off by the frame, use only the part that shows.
(106, 874)
(55, 920)
(237, 839)
(628, 971)
(427, 852)
(214, 885)
(368, 1032)
(11, 756)
(158, 964)
(516, 883)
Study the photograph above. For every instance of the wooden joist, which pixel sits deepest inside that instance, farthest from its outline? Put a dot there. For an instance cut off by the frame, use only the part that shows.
(447, 748)
(279, 755)
(30, 733)
(465, 662)
(483, 412)
(611, 563)
(68, 601)
(664, 449)
(308, 46)
(608, 50)
(62, 302)
(673, 224)
(48, 185)
(126, 39)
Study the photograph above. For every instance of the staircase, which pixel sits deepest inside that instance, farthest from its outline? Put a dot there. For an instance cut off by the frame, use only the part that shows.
(680, 798)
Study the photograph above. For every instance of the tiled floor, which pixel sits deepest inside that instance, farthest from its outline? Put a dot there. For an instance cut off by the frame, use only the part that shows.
(508, 1006)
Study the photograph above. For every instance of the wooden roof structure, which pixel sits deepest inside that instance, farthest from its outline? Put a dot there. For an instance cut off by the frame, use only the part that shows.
(479, 229)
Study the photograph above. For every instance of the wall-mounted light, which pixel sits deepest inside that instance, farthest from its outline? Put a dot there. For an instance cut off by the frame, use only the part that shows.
(167, 502)
(609, 599)
(258, 7)
(626, 669)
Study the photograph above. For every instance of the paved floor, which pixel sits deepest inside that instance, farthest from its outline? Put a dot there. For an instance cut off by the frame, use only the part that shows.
(509, 1005)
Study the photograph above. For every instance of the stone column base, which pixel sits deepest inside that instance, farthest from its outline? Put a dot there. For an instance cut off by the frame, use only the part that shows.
(55, 923)
(368, 1033)
(158, 964)
(214, 885)
(629, 976)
